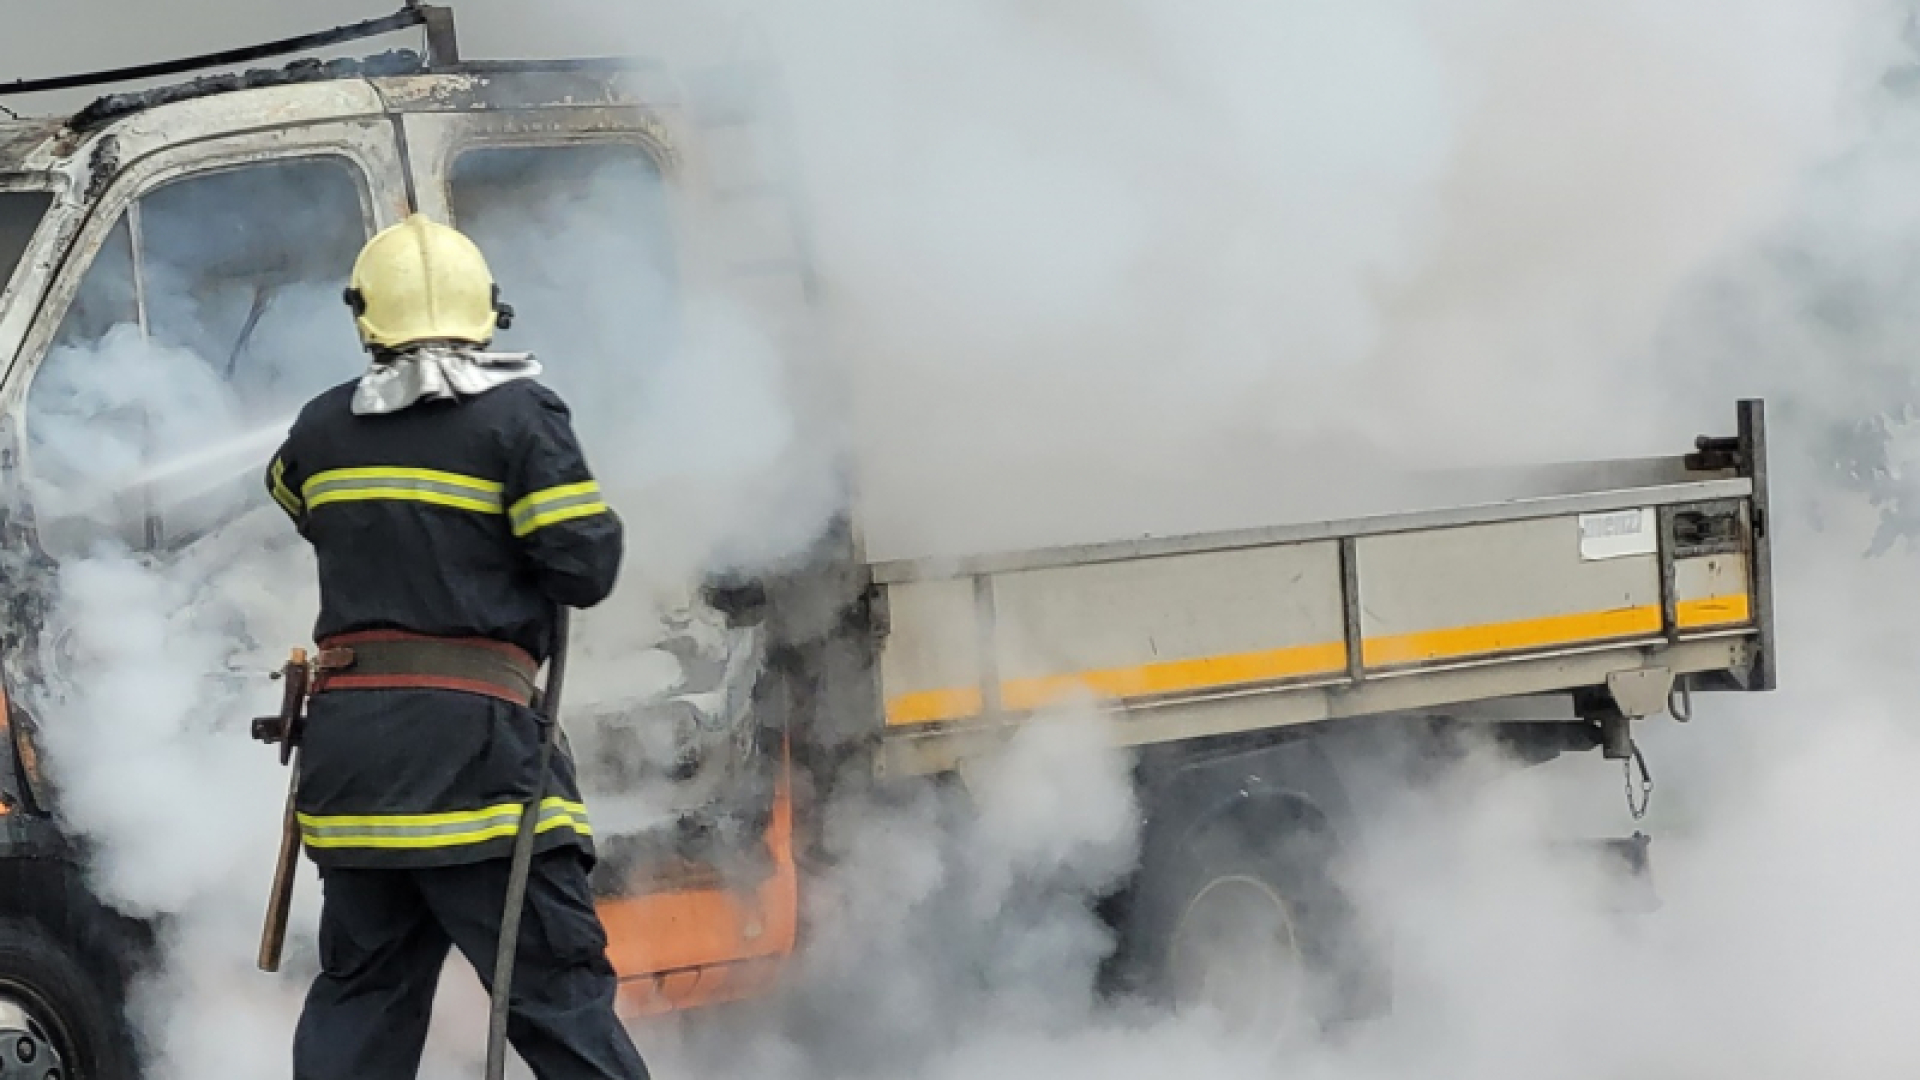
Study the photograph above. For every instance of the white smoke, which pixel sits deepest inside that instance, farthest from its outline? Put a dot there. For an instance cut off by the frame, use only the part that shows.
(1153, 269)
(940, 918)
(158, 670)
(1106, 269)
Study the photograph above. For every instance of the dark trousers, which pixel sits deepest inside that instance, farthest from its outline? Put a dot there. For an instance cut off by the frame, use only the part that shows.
(384, 935)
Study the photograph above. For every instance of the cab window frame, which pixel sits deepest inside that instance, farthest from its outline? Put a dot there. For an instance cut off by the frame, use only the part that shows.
(119, 208)
(103, 214)
(638, 140)
(676, 261)
(130, 211)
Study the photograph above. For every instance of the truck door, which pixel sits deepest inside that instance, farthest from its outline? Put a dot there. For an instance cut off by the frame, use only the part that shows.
(198, 309)
(585, 213)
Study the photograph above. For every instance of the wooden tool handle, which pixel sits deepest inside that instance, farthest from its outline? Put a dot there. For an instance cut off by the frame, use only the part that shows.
(273, 936)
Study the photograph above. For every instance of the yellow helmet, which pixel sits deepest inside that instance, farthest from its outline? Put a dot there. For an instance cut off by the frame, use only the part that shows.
(424, 281)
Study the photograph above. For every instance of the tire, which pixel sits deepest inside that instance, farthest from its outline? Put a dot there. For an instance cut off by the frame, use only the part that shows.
(67, 1013)
(1245, 922)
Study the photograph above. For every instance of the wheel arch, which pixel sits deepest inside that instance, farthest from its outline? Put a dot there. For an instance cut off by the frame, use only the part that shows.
(47, 888)
(1285, 779)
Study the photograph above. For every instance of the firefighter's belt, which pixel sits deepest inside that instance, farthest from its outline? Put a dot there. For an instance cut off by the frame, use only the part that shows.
(394, 660)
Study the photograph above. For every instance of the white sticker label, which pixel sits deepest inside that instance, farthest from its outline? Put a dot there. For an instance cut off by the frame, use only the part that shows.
(1618, 534)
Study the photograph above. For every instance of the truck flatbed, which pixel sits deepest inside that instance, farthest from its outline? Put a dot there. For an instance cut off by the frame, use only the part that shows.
(1631, 589)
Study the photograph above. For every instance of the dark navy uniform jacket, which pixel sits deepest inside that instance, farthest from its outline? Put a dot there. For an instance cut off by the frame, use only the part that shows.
(468, 518)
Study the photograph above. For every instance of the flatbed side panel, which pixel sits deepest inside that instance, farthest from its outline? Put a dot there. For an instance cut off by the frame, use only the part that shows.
(1159, 626)
(932, 665)
(1486, 589)
(1148, 631)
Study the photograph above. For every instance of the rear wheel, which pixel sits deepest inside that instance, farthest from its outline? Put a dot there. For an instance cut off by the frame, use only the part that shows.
(1246, 924)
(56, 1023)
(1235, 951)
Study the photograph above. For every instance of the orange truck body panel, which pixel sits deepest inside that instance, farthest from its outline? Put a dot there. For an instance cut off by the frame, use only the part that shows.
(683, 948)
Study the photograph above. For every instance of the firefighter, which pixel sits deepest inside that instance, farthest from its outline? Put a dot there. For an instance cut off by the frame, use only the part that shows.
(450, 511)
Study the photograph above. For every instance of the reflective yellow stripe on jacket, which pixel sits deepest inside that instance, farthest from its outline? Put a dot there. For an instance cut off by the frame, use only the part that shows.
(456, 829)
(553, 505)
(282, 494)
(410, 485)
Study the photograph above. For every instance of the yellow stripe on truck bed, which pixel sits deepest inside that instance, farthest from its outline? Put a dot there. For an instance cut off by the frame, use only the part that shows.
(1329, 658)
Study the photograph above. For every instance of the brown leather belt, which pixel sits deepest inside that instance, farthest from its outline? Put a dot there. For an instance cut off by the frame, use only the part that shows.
(396, 660)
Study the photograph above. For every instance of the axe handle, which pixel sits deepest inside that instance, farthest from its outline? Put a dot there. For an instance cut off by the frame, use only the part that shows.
(273, 935)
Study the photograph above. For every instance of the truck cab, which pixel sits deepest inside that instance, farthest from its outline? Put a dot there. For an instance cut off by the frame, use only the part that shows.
(173, 264)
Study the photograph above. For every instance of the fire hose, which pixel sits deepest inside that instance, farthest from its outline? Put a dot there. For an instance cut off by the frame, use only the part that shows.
(549, 713)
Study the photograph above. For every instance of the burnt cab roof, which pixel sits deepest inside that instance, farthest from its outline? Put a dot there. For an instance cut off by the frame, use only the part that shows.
(314, 90)
(408, 84)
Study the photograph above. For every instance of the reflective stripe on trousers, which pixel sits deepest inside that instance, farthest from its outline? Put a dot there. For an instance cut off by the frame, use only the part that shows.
(454, 829)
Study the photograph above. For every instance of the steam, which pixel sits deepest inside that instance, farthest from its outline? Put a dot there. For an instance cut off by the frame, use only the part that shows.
(1098, 270)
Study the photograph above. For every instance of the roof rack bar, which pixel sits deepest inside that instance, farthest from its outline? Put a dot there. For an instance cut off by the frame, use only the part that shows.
(412, 15)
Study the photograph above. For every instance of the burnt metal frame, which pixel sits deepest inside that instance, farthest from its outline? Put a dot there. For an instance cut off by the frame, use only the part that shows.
(442, 46)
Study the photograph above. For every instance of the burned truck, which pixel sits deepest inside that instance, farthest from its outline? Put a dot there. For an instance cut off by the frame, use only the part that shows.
(197, 227)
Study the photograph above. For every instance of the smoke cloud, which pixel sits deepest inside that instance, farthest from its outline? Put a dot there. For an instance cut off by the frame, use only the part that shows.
(1101, 270)
(1121, 270)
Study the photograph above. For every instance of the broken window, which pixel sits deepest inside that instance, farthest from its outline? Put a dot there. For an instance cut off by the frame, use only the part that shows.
(210, 315)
